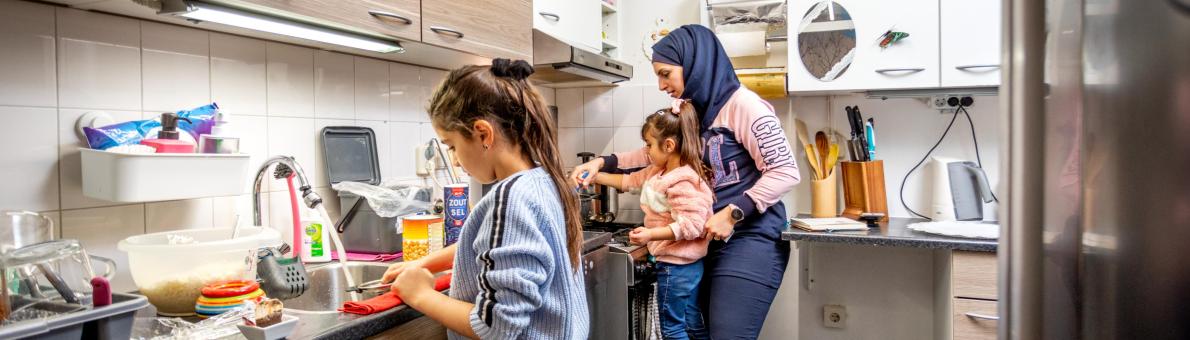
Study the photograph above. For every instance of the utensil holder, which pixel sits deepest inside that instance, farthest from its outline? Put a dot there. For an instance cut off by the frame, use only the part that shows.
(863, 189)
(824, 196)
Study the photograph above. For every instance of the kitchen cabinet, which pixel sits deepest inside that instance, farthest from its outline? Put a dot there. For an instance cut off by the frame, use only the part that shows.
(576, 22)
(951, 43)
(491, 28)
(973, 295)
(397, 18)
(970, 41)
(836, 45)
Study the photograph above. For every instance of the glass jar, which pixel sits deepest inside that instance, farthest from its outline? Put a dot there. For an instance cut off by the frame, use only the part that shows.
(415, 242)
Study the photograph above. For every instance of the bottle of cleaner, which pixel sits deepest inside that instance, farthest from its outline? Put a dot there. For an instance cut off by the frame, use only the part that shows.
(315, 239)
(222, 138)
(167, 139)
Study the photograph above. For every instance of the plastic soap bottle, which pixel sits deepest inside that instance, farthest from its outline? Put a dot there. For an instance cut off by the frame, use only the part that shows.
(167, 139)
(316, 238)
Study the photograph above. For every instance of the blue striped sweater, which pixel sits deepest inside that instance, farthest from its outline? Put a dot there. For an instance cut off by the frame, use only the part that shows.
(513, 264)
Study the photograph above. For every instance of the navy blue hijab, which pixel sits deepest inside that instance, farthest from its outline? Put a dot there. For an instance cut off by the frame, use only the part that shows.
(710, 78)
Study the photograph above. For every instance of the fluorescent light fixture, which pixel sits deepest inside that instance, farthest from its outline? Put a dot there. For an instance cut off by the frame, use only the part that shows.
(232, 17)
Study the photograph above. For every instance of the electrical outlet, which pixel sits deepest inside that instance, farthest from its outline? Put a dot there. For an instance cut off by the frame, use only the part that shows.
(834, 316)
(943, 103)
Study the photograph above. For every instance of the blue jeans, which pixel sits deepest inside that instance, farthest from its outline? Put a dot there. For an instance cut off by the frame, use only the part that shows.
(677, 300)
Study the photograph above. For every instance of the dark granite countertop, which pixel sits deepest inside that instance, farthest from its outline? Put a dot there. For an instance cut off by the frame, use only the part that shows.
(891, 234)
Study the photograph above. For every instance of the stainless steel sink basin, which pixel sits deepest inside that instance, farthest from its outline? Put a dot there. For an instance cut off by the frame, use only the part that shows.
(328, 288)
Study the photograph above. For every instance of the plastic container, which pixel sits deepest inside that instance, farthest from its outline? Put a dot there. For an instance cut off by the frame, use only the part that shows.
(171, 274)
(110, 322)
(279, 330)
(416, 241)
(126, 177)
(315, 238)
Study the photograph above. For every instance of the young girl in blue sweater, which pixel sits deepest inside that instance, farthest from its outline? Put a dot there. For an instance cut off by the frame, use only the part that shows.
(516, 263)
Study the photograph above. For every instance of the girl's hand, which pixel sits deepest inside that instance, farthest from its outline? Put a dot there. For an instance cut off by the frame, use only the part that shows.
(396, 269)
(590, 168)
(720, 226)
(640, 235)
(412, 284)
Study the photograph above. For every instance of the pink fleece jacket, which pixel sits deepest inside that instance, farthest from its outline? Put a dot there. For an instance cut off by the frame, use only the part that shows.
(684, 209)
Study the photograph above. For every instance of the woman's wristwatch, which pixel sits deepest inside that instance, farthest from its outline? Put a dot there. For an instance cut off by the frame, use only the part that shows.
(737, 214)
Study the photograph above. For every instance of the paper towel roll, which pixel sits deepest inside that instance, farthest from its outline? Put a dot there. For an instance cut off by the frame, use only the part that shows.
(743, 44)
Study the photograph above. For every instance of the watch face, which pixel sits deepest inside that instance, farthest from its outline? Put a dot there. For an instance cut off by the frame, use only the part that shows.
(737, 214)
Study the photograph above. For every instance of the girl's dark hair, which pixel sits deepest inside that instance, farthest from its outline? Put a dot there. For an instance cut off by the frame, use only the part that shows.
(500, 95)
(683, 129)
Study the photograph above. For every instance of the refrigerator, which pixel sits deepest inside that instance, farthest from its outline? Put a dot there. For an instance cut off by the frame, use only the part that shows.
(1096, 237)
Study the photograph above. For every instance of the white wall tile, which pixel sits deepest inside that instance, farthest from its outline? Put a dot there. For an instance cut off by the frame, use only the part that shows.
(384, 153)
(571, 141)
(293, 137)
(627, 138)
(28, 70)
(281, 214)
(226, 209)
(654, 99)
(597, 140)
(238, 74)
(547, 94)
(99, 229)
(290, 74)
(70, 161)
(403, 146)
(570, 107)
(254, 141)
(29, 145)
(99, 61)
(321, 180)
(330, 201)
(630, 109)
(176, 67)
(430, 79)
(334, 85)
(598, 106)
(371, 89)
(178, 215)
(406, 98)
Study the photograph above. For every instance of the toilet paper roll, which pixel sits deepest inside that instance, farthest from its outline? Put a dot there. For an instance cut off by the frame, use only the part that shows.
(743, 44)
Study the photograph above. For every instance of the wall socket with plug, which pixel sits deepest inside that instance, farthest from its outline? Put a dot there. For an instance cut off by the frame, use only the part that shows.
(947, 104)
(834, 316)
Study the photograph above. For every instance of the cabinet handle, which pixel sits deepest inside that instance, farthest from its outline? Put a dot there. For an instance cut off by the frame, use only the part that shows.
(383, 14)
(903, 69)
(441, 30)
(981, 316)
(966, 67)
(548, 15)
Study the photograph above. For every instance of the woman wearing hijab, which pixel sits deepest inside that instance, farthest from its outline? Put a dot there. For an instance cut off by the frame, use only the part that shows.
(754, 167)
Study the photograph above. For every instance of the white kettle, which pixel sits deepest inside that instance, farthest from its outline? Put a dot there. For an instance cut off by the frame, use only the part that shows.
(960, 190)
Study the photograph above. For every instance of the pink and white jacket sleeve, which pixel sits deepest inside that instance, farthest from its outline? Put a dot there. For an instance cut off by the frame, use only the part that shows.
(756, 127)
(690, 202)
(634, 181)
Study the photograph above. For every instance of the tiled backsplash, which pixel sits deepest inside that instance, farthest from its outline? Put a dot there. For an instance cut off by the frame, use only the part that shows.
(59, 63)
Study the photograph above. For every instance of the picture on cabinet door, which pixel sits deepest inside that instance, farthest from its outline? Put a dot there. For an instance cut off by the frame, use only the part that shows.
(826, 40)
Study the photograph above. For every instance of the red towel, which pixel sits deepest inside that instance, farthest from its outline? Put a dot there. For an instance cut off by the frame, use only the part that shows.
(386, 301)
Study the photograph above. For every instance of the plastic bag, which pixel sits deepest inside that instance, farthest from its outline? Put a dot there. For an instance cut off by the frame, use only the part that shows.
(215, 327)
(388, 199)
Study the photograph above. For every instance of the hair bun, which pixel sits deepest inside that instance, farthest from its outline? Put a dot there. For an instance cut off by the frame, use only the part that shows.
(514, 69)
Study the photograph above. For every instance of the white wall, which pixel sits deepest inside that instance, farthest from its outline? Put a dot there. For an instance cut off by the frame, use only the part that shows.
(59, 63)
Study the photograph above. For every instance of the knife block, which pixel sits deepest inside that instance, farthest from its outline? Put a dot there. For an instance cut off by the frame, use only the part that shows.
(863, 189)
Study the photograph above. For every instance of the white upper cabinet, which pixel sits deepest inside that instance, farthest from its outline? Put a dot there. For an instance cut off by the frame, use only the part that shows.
(577, 22)
(836, 45)
(970, 43)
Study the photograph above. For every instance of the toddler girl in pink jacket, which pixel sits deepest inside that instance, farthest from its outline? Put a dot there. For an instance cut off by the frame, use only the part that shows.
(676, 197)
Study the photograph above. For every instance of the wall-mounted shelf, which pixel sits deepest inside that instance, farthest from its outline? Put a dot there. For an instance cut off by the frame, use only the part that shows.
(607, 8)
(128, 177)
(608, 45)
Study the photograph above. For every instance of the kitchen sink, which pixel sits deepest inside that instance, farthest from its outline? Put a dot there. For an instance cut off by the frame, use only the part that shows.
(327, 289)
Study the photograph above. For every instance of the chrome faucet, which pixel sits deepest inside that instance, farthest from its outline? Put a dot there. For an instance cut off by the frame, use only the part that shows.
(285, 165)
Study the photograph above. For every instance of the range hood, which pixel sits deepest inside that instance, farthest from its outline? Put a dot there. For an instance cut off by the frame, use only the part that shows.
(559, 63)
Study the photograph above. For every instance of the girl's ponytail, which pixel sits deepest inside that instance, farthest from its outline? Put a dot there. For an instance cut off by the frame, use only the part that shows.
(691, 152)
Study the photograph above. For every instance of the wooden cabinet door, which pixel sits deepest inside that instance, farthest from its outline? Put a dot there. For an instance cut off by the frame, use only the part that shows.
(490, 28)
(974, 319)
(397, 18)
(970, 42)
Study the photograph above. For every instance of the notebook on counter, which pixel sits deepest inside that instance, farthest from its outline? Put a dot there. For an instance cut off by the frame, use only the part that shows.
(828, 224)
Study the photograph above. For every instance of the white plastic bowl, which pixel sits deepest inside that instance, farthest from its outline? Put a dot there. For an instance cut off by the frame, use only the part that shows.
(172, 275)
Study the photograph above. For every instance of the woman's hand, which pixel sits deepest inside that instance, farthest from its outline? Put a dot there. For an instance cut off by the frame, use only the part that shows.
(396, 269)
(720, 226)
(640, 235)
(412, 284)
(590, 168)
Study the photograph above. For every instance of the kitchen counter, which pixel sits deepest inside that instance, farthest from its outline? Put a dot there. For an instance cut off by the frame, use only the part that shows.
(892, 234)
(310, 325)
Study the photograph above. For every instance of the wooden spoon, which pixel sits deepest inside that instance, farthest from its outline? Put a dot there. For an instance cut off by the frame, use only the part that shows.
(823, 147)
(803, 135)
